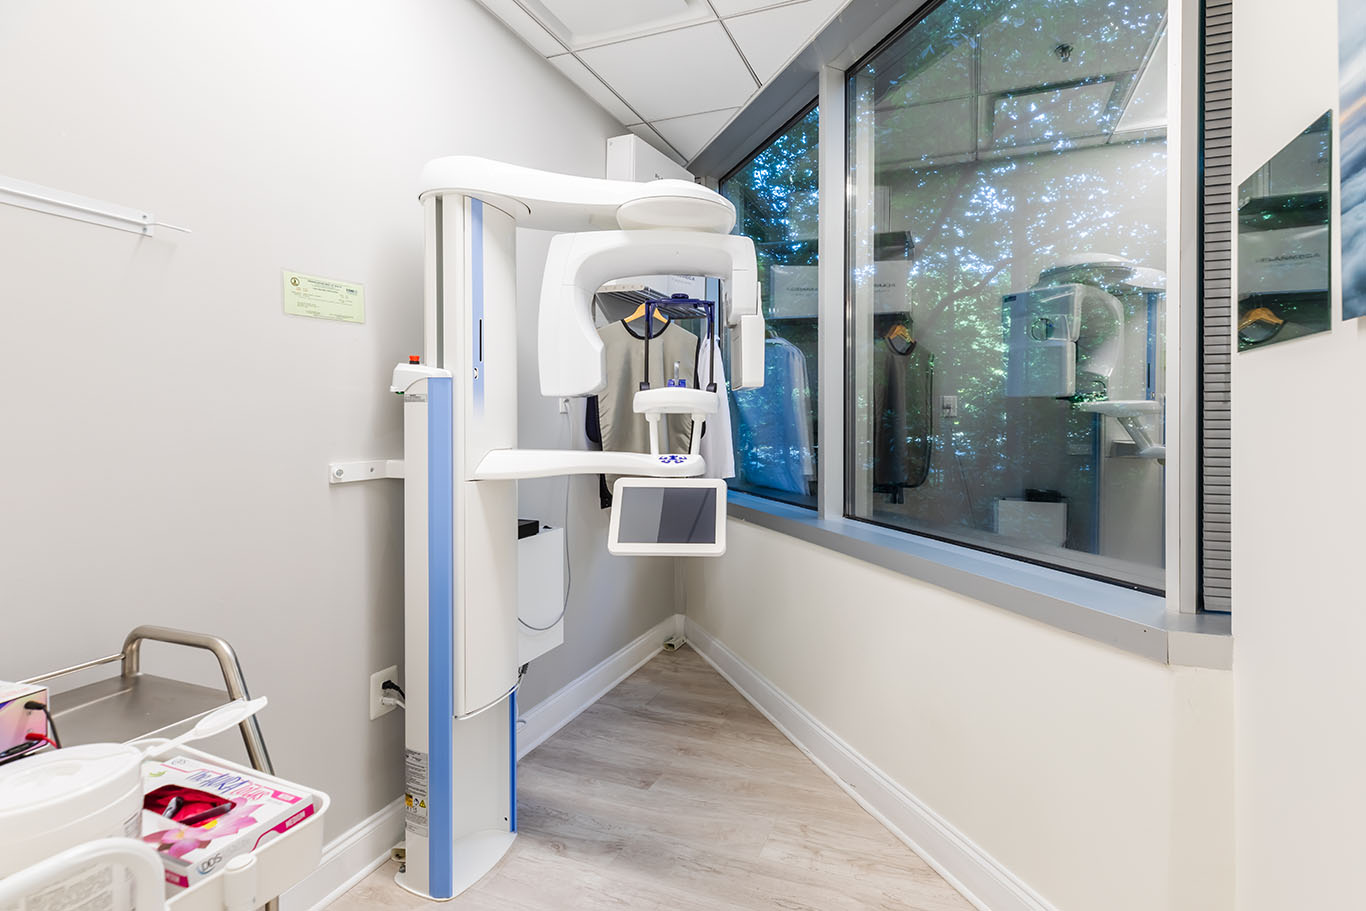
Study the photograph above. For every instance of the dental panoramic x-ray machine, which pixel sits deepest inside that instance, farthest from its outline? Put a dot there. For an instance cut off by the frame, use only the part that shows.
(461, 460)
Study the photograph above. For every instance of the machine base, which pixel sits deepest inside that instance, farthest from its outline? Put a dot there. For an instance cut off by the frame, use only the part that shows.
(473, 856)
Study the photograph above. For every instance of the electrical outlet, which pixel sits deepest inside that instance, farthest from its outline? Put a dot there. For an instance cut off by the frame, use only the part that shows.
(564, 406)
(376, 683)
(948, 406)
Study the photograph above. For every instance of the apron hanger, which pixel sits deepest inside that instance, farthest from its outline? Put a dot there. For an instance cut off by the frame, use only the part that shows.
(640, 311)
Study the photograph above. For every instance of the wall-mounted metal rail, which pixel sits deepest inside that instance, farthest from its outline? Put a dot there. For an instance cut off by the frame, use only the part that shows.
(26, 195)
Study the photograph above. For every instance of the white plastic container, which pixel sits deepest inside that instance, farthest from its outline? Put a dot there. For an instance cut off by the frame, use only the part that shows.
(84, 793)
(62, 798)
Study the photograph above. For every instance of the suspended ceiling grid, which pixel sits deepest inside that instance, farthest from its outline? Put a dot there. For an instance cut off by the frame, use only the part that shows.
(674, 72)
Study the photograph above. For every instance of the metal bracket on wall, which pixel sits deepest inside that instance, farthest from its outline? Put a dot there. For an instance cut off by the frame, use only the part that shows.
(348, 472)
(21, 193)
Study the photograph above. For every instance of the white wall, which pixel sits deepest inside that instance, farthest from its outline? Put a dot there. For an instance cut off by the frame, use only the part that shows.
(165, 429)
(1096, 777)
(1298, 595)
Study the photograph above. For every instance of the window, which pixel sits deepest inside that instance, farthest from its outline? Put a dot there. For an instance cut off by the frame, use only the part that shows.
(775, 198)
(1007, 167)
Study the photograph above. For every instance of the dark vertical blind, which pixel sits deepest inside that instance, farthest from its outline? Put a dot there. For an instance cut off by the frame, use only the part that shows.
(1217, 308)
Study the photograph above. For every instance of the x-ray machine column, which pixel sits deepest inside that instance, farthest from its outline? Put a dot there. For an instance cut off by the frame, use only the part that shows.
(461, 794)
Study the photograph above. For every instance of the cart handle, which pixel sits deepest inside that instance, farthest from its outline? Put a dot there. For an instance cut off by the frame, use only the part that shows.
(139, 859)
(227, 661)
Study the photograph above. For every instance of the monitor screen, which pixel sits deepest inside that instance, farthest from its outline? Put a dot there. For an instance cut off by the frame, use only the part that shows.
(667, 515)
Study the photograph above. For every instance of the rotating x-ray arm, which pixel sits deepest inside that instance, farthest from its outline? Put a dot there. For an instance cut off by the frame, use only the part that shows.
(566, 202)
(571, 355)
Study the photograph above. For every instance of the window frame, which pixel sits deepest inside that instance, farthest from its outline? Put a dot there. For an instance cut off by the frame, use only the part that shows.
(848, 509)
(1168, 627)
(744, 163)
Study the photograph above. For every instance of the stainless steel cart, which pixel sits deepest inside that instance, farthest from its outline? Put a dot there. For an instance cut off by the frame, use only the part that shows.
(135, 705)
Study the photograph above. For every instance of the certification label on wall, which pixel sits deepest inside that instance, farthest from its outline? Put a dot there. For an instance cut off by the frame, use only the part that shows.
(415, 792)
(322, 298)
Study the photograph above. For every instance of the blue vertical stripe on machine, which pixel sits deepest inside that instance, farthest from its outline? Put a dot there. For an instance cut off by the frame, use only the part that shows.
(440, 636)
(477, 300)
(512, 762)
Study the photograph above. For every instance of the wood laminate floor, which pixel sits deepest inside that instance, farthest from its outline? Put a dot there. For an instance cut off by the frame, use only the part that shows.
(673, 792)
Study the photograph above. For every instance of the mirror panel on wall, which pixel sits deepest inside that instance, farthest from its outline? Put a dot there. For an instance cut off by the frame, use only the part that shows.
(1285, 242)
(1007, 171)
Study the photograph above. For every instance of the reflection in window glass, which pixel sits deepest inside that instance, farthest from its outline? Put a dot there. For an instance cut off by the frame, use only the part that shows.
(775, 197)
(1007, 176)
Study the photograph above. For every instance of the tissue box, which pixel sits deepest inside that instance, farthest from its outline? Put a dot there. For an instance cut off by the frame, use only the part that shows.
(199, 816)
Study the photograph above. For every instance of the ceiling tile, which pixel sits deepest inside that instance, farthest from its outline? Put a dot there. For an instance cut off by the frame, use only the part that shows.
(923, 134)
(726, 8)
(772, 37)
(524, 26)
(581, 24)
(581, 76)
(648, 133)
(1147, 107)
(1051, 115)
(675, 73)
(690, 134)
(1071, 47)
(594, 17)
(933, 77)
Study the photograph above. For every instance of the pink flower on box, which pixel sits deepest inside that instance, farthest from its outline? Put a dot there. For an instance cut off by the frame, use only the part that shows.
(178, 841)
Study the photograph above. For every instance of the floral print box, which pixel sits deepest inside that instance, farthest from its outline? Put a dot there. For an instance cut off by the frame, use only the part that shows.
(199, 816)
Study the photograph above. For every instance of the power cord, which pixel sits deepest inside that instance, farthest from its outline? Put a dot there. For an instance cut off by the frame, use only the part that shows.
(34, 705)
(388, 688)
(23, 748)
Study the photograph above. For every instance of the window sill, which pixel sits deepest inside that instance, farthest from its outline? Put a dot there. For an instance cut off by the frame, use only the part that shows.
(1133, 621)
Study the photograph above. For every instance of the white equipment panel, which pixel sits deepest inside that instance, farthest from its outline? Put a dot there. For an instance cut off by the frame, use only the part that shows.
(540, 593)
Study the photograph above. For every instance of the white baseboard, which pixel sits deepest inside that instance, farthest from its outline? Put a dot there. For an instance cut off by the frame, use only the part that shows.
(551, 714)
(979, 877)
(347, 860)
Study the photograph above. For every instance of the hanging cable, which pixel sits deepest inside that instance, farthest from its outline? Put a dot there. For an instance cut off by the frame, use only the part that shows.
(568, 559)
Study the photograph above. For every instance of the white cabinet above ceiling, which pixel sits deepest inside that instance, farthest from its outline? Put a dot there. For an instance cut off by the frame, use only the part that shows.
(674, 72)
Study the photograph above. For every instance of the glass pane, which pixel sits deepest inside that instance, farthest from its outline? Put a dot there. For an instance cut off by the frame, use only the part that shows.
(775, 197)
(1007, 189)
